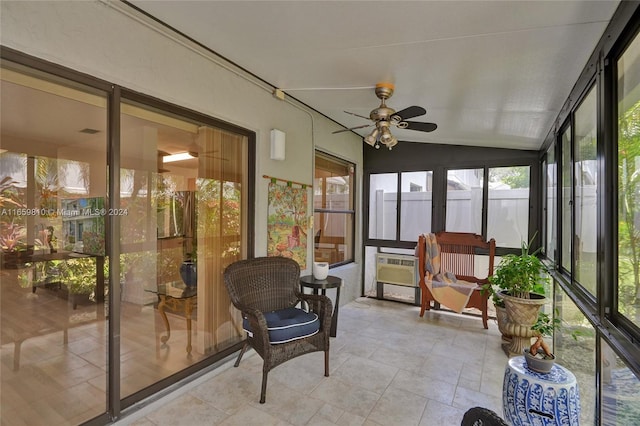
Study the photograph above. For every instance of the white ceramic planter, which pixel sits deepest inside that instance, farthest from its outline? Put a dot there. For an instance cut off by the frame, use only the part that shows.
(320, 270)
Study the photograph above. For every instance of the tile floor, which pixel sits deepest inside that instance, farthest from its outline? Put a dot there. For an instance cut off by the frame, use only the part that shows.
(388, 367)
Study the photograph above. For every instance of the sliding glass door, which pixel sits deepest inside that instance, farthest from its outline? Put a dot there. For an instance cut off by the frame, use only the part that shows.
(53, 184)
(174, 214)
(183, 210)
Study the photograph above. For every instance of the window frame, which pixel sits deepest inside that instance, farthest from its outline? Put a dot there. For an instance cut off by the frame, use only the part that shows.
(352, 212)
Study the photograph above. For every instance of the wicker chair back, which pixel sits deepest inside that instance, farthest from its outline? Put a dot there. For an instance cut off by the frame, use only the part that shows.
(265, 283)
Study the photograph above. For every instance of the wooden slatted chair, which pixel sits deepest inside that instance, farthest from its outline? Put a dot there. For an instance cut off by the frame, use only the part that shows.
(458, 251)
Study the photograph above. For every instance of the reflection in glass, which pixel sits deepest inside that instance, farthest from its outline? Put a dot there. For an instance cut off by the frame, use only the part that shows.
(508, 210)
(620, 390)
(383, 212)
(464, 201)
(334, 214)
(185, 217)
(53, 271)
(417, 198)
(551, 203)
(574, 344)
(585, 194)
(566, 200)
(629, 183)
(333, 242)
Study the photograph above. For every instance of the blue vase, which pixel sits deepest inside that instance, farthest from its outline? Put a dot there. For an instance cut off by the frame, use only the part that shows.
(188, 273)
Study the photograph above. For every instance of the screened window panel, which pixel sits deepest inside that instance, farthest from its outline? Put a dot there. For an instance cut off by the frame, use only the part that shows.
(551, 203)
(620, 390)
(629, 183)
(508, 205)
(417, 199)
(464, 200)
(566, 200)
(574, 343)
(383, 199)
(585, 193)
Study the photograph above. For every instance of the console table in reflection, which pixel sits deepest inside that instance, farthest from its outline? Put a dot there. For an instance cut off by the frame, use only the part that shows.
(180, 298)
(70, 256)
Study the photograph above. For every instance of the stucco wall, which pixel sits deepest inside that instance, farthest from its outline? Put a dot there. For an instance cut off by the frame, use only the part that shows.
(110, 41)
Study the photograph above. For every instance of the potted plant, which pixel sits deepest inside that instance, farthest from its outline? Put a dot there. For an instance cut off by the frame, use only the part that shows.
(501, 316)
(539, 356)
(521, 279)
(501, 312)
(78, 276)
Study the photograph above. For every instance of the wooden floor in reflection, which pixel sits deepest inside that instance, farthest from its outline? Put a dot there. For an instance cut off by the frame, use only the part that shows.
(59, 377)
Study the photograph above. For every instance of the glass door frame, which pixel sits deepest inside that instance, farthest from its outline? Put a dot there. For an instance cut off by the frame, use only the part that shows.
(114, 405)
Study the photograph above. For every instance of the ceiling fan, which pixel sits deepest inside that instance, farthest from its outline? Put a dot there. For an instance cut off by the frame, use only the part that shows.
(384, 117)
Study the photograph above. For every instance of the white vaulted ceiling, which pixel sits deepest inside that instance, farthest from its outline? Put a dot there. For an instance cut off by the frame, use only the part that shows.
(489, 73)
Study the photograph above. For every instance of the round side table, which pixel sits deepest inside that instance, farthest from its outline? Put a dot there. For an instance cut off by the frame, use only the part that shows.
(309, 281)
(530, 398)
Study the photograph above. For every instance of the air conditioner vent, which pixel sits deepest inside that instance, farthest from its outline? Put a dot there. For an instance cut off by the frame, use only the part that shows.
(396, 269)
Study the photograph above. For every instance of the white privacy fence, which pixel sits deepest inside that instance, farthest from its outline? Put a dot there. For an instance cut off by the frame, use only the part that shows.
(507, 217)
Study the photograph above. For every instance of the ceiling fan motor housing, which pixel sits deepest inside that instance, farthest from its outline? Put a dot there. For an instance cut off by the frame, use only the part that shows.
(382, 113)
(384, 90)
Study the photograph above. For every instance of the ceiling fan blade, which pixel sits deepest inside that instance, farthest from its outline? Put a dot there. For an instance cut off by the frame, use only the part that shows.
(410, 112)
(421, 127)
(361, 116)
(351, 128)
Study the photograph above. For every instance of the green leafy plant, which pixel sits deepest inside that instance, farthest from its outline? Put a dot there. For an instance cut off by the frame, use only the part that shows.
(544, 327)
(520, 274)
(12, 237)
(80, 276)
(490, 290)
(77, 275)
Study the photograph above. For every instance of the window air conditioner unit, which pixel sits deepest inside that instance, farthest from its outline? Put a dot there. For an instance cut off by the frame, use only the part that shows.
(397, 269)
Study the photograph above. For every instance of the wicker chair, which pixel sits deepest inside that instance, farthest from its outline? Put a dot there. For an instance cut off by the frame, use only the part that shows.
(478, 416)
(267, 286)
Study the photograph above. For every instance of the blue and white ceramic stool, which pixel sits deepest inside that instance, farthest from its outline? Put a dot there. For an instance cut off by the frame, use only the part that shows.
(531, 398)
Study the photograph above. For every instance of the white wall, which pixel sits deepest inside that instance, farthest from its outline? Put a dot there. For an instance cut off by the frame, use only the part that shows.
(110, 41)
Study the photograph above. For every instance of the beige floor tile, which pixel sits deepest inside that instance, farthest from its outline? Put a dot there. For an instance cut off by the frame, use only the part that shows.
(400, 357)
(330, 413)
(303, 373)
(398, 407)
(439, 414)
(186, 410)
(249, 416)
(361, 346)
(386, 364)
(466, 398)
(287, 404)
(350, 419)
(142, 422)
(366, 373)
(319, 421)
(442, 368)
(491, 384)
(425, 386)
(353, 399)
(231, 390)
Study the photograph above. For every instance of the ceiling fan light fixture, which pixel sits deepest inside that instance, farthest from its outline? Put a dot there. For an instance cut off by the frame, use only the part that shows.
(372, 137)
(393, 143)
(386, 137)
(384, 117)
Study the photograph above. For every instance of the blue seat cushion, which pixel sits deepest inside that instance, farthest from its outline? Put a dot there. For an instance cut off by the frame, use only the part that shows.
(288, 324)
